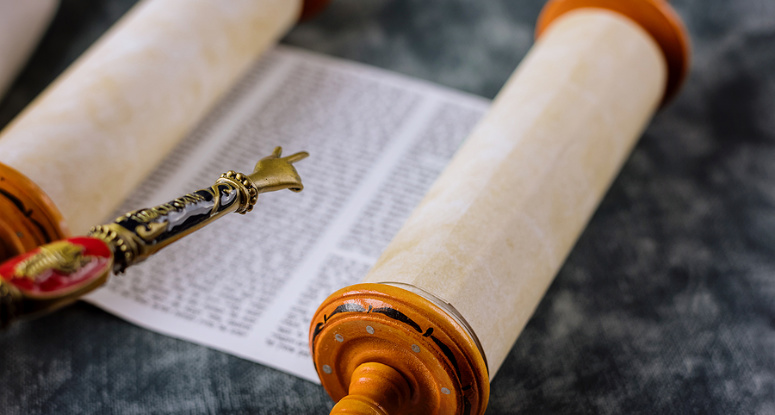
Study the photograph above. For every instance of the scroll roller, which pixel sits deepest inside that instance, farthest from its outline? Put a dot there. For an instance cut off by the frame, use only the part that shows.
(436, 316)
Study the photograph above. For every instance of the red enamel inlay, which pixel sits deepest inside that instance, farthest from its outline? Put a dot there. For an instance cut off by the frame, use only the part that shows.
(96, 260)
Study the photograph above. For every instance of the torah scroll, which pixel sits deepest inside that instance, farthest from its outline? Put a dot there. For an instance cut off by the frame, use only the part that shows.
(100, 128)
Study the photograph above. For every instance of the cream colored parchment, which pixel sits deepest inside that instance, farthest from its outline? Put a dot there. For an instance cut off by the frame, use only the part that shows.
(497, 225)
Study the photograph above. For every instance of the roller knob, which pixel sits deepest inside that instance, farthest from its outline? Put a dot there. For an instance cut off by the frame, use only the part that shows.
(375, 389)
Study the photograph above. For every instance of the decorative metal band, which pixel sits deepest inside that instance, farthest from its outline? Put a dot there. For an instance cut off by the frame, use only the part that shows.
(247, 188)
(121, 243)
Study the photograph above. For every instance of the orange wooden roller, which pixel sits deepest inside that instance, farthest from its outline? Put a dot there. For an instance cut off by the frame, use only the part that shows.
(462, 277)
(384, 349)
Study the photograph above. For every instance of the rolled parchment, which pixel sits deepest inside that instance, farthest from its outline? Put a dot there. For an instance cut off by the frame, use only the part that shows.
(118, 110)
(22, 23)
(453, 290)
(497, 225)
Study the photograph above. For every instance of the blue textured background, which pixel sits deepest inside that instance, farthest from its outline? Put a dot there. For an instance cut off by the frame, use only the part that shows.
(666, 305)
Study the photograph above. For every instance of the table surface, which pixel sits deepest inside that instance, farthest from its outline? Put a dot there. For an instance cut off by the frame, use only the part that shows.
(666, 304)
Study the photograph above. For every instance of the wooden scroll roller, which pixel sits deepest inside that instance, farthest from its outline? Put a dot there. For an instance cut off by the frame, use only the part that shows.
(74, 154)
(436, 316)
